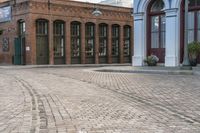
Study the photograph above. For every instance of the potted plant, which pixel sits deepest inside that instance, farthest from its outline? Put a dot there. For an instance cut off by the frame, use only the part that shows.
(151, 60)
(193, 52)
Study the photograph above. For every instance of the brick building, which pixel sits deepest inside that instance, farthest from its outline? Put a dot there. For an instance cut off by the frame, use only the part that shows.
(65, 32)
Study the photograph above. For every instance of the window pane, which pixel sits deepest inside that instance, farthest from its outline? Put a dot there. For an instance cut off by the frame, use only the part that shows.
(90, 38)
(58, 39)
(190, 36)
(155, 23)
(162, 45)
(103, 40)
(155, 40)
(163, 23)
(115, 40)
(191, 20)
(127, 40)
(75, 39)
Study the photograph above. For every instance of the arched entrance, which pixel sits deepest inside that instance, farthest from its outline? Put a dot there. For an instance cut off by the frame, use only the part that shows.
(193, 23)
(156, 29)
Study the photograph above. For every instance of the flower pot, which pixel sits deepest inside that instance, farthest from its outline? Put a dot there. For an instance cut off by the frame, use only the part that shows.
(151, 63)
(193, 61)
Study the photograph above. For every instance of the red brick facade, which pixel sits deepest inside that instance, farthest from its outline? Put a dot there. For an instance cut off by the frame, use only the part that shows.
(66, 11)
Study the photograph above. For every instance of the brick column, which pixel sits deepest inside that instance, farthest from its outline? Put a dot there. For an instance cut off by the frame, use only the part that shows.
(109, 43)
(83, 43)
(97, 43)
(31, 40)
(68, 42)
(51, 45)
(121, 44)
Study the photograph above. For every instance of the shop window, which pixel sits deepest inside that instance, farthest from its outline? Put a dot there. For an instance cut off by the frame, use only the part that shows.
(75, 39)
(59, 37)
(103, 39)
(127, 40)
(115, 40)
(90, 39)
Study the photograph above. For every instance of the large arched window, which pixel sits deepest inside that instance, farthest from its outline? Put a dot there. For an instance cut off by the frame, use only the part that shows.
(156, 40)
(127, 44)
(75, 42)
(103, 42)
(115, 43)
(59, 42)
(90, 42)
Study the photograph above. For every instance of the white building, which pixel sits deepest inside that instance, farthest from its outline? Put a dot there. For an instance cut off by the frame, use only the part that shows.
(159, 29)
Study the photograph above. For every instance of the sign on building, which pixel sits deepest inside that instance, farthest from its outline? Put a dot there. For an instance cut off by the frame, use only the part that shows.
(5, 14)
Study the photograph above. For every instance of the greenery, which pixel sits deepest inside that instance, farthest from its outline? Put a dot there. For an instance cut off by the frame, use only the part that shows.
(193, 52)
(151, 60)
(193, 49)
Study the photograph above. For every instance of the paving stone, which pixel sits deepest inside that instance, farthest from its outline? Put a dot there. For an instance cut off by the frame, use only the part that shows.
(80, 100)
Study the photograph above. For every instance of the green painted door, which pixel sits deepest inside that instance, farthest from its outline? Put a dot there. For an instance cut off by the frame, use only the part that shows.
(17, 55)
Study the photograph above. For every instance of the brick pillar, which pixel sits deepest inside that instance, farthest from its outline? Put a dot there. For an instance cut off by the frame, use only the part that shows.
(68, 42)
(51, 45)
(121, 44)
(31, 41)
(83, 43)
(97, 43)
(109, 43)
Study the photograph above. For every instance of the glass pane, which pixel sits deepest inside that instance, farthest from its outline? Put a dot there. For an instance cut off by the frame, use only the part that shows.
(190, 36)
(103, 40)
(155, 23)
(155, 40)
(162, 45)
(127, 47)
(163, 23)
(191, 20)
(158, 5)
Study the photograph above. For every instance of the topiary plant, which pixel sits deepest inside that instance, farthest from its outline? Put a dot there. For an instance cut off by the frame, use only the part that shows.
(193, 52)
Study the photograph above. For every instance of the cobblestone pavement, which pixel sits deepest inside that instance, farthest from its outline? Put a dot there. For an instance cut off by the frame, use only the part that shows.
(79, 100)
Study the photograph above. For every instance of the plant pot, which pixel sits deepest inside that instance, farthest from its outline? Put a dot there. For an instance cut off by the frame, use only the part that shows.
(193, 61)
(151, 63)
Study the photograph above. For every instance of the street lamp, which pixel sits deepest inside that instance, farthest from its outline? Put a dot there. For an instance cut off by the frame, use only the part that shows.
(186, 60)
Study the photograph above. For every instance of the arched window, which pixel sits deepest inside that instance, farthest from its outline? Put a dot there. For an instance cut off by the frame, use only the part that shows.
(115, 40)
(59, 42)
(75, 42)
(127, 40)
(75, 39)
(42, 43)
(103, 37)
(89, 38)
(156, 40)
(103, 42)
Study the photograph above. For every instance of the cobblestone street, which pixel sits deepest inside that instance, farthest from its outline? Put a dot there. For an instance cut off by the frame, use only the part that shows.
(80, 100)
